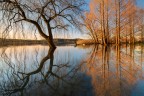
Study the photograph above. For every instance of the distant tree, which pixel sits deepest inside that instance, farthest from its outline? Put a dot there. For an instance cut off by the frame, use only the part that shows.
(45, 15)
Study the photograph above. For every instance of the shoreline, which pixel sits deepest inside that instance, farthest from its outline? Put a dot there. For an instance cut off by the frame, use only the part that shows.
(58, 42)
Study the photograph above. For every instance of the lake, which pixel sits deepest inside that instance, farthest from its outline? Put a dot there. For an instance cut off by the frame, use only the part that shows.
(96, 70)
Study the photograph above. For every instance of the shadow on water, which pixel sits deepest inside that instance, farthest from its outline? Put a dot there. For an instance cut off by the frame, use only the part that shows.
(72, 71)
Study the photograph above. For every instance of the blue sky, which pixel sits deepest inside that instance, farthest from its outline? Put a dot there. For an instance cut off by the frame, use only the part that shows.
(140, 3)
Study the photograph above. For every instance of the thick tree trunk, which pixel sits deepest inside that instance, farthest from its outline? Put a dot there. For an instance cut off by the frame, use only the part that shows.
(50, 37)
(51, 42)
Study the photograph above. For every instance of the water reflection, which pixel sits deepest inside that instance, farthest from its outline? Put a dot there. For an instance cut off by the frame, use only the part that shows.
(72, 71)
(116, 70)
(34, 77)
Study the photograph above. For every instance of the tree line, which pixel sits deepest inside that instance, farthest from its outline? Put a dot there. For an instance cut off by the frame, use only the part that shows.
(114, 21)
(108, 21)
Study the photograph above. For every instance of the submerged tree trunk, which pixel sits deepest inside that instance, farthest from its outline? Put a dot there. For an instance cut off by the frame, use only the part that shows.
(50, 41)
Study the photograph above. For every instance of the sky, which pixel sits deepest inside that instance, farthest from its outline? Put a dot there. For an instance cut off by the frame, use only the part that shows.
(140, 3)
(75, 34)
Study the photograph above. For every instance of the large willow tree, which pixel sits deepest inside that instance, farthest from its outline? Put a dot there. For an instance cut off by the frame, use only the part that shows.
(44, 15)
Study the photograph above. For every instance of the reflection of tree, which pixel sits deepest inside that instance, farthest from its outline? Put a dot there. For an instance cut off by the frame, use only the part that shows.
(113, 69)
(25, 77)
(50, 80)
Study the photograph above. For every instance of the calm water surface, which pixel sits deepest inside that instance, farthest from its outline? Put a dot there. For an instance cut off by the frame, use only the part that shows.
(72, 71)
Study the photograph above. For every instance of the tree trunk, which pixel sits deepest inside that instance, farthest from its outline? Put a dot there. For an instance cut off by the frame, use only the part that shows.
(50, 39)
(116, 21)
(119, 23)
(51, 42)
(107, 24)
(103, 20)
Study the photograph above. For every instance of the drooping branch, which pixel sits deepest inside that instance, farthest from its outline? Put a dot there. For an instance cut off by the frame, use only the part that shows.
(45, 15)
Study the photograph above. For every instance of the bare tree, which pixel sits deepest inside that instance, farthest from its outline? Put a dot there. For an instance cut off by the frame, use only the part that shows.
(116, 20)
(45, 15)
